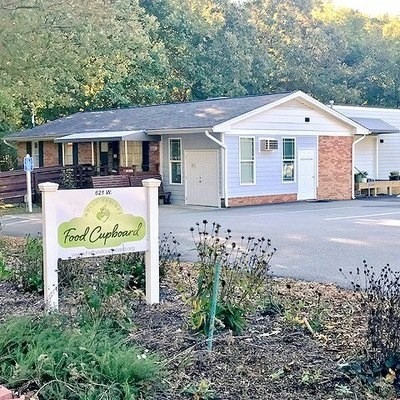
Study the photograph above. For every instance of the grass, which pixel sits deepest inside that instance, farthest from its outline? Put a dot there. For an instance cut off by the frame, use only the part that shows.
(58, 359)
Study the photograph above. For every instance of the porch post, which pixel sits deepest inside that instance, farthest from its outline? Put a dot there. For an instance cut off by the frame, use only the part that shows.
(92, 149)
(126, 152)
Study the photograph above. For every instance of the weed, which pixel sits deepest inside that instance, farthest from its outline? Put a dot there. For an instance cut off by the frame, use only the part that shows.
(308, 314)
(59, 360)
(379, 293)
(5, 273)
(244, 275)
(200, 391)
(309, 378)
(29, 272)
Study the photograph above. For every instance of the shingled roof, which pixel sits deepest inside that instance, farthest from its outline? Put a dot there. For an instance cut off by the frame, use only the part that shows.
(188, 115)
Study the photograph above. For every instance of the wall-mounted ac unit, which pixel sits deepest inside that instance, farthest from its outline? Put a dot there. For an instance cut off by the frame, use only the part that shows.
(268, 144)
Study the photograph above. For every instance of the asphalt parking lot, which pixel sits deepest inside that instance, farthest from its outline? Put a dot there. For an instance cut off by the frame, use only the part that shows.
(313, 239)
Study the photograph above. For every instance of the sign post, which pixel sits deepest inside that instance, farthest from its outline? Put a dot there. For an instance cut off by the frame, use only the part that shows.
(28, 168)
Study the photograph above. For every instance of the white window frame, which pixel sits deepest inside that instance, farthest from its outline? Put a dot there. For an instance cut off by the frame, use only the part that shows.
(171, 161)
(289, 159)
(35, 154)
(253, 160)
(68, 158)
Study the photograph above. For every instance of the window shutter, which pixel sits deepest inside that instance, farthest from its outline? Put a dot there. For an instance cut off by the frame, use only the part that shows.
(146, 156)
(29, 148)
(41, 155)
(60, 154)
(75, 156)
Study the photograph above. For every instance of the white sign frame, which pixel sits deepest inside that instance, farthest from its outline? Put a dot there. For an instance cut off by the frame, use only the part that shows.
(139, 203)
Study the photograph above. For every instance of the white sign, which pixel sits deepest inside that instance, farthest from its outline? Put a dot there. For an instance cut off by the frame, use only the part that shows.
(96, 222)
(28, 163)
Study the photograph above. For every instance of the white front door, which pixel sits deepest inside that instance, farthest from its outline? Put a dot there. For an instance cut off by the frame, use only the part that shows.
(306, 175)
(202, 178)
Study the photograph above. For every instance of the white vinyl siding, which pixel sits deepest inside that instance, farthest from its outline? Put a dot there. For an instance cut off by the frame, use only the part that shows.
(246, 160)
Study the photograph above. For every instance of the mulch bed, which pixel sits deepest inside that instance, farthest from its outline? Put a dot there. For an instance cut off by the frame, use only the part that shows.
(276, 357)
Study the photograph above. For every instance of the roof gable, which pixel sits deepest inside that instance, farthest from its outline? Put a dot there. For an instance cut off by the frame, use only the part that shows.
(304, 98)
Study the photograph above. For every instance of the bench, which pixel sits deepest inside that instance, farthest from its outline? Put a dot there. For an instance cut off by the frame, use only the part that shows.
(110, 181)
(136, 181)
(376, 187)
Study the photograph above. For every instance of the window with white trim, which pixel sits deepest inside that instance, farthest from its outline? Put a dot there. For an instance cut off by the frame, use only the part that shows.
(68, 154)
(175, 160)
(288, 159)
(246, 161)
(35, 154)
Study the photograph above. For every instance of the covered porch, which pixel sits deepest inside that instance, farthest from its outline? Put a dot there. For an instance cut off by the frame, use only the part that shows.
(111, 153)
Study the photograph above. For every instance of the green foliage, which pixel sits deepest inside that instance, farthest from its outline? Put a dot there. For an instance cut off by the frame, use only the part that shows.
(67, 180)
(243, 281)
(60, 360)
(5, 273)
(308, 314)
(58, 59)
(28, 273)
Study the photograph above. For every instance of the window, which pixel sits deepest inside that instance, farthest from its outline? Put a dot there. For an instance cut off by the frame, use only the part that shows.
(246, 154)
(36, 154)
(288, 159)
(175, 160)
(68, 154)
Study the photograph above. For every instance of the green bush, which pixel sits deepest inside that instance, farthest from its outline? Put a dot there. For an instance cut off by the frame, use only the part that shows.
(62, 361)
(29, 272)
(243, 281)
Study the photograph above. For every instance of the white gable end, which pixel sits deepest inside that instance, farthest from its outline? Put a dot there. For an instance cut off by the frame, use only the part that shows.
(296, 117)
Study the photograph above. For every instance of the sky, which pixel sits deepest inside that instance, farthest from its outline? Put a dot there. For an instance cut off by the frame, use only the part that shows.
(372, 7)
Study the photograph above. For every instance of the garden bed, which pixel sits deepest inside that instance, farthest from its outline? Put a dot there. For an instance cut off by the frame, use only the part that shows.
(276, 356)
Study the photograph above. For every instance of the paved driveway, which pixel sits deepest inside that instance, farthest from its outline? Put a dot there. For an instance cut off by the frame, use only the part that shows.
(313, 239)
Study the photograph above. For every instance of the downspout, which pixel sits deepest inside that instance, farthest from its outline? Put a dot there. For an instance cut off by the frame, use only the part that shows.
(225, 165)
(9, 144)
(353, 150)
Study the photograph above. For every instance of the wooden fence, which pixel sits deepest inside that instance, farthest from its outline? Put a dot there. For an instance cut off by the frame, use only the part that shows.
(13, 183)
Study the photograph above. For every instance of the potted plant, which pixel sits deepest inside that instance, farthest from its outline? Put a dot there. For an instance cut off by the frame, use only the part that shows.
(361, 176)
(394, 175)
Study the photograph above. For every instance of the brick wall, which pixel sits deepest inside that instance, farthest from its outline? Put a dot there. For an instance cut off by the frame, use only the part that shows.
(85, 153)
(154, 156)
(21, 152)
(335, 168)
(258, 200)
(50, 154)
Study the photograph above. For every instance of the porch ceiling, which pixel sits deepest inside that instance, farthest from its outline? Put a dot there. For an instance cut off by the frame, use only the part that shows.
(138, 136)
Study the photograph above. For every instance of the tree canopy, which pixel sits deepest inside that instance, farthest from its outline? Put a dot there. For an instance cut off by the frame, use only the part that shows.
(57, 58)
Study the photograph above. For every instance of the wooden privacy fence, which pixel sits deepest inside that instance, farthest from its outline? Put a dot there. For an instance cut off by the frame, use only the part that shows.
(13, 183)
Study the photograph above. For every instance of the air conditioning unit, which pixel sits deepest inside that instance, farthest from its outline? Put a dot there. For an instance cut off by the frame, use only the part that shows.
(268, 144)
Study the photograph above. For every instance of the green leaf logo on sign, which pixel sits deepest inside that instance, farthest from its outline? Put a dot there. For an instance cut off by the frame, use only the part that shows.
(102, 225)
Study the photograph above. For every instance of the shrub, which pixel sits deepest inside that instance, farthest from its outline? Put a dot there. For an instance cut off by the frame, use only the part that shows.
(379, 292)
(29, 272)
(244, 274)
(59, 360)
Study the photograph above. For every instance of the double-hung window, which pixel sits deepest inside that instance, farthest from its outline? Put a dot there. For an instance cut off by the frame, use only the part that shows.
(247, 165)
(68, 154)
(288, 159)
(175, 160)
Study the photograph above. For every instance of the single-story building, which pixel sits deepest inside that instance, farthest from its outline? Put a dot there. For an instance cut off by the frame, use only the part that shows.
(217, 152)
(379, 152)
